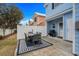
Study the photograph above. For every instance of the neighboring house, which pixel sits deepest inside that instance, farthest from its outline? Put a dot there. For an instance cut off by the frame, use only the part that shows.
(30, 23)
(64, 19)
(38, 20)
(37, 24)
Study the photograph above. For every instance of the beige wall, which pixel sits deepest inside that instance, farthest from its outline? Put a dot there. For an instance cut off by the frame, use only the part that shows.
(41, 20)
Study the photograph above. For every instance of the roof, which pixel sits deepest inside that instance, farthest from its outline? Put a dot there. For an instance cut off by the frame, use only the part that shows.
(40, 14)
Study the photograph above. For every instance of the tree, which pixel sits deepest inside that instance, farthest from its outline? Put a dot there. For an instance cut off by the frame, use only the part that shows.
(3, 18)
(15, 16)
(10, 16)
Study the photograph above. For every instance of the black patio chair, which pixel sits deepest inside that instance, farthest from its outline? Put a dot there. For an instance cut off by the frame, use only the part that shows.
(26, 39)
(37, 39)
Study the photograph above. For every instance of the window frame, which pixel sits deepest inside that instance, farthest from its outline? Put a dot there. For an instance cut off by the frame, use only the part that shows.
(53, 6)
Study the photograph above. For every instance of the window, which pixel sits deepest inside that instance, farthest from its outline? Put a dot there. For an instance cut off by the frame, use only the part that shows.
(61, 25)
(77, 25)
(35, 19)
(52, 5)
(53, 25)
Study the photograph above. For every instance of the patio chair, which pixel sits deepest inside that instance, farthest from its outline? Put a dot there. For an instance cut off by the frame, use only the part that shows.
(37, 39)
(29, 40)
(26, 39)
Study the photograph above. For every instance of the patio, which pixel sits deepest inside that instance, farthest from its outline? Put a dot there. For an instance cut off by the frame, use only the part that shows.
(59, 48)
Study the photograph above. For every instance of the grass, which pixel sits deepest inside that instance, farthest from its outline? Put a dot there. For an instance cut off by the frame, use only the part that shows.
(7, 46)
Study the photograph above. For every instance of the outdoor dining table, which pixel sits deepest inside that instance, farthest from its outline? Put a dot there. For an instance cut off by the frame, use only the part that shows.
(33, 39)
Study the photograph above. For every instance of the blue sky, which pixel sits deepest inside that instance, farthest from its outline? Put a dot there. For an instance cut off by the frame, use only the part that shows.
(28, 10)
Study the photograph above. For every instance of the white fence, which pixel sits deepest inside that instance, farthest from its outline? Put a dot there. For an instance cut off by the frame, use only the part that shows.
(7, 31)
(25, 29)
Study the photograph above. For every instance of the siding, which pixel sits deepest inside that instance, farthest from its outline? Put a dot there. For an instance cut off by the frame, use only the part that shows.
(68, 28)
(52, 12)
(56, 22)
(76, 31)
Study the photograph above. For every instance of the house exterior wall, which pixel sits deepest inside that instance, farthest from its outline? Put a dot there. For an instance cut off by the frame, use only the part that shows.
(56, 22)
(38, 20)
(76, 19)
(71, 32)
(70, 18)
(41, 21)
(61, 10)
(68, 29)
(57, 10)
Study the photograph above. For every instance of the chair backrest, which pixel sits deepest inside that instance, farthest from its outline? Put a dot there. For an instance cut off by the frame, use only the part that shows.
(37, 36)
(26, 38)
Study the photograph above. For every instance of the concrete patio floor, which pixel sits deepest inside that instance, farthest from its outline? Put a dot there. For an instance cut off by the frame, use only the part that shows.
(59, 48)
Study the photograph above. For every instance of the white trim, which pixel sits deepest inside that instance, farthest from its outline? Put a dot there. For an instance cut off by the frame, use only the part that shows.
(63, 28)
(74, 30)
(41, 14)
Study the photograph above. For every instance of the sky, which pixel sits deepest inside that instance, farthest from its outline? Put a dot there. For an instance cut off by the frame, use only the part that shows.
(28, 10)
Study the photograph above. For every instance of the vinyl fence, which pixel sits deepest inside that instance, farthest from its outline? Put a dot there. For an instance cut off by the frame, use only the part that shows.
(7, 32)
(25, 29)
